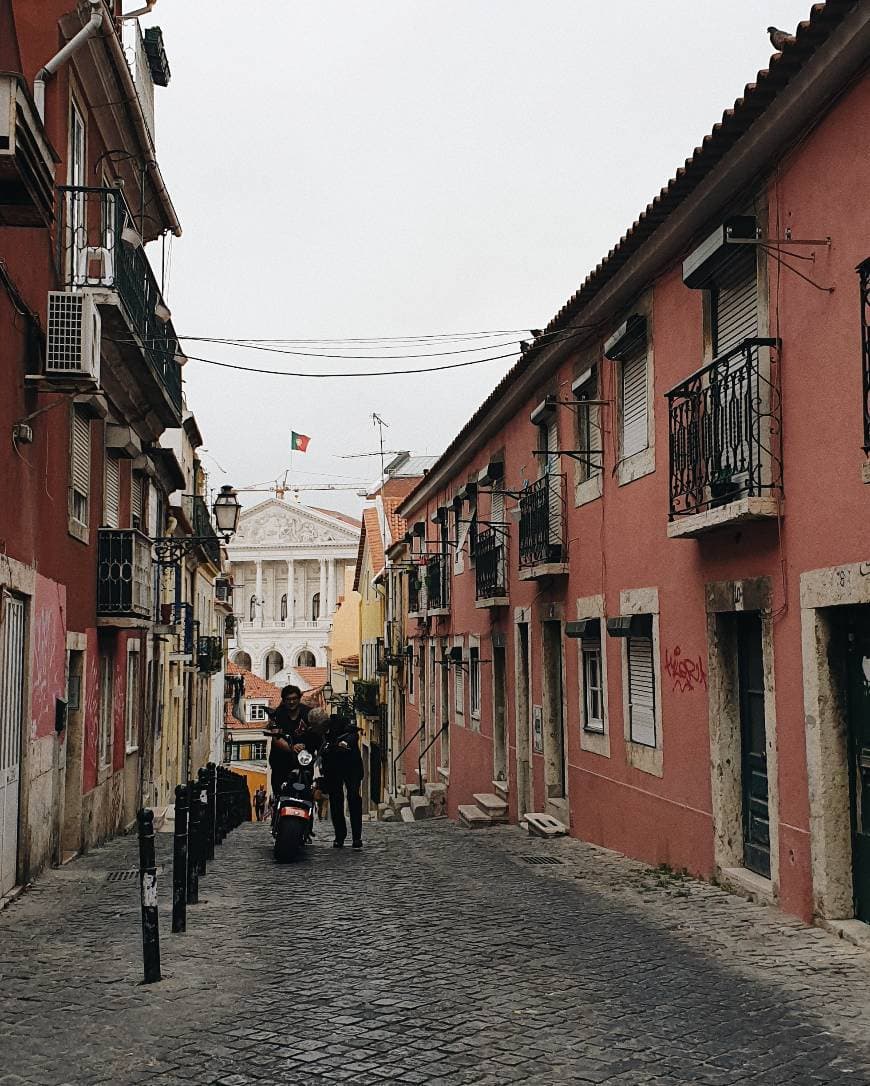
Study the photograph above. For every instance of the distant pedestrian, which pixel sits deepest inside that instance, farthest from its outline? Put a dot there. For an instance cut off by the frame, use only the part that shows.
(260, 803)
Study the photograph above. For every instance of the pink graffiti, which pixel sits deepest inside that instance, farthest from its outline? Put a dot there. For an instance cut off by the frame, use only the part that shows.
(685, 674)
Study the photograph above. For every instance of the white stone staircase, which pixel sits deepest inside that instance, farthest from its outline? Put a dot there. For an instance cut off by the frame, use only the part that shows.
(489, 809)
(409, 806)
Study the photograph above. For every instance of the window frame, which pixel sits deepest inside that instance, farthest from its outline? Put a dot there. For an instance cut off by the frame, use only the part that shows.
(107, 691)
(131, 703)
(592, 649)
(474, 691)
(255, 718)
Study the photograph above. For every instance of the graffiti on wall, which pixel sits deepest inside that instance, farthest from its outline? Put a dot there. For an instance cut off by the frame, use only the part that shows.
(686, 673)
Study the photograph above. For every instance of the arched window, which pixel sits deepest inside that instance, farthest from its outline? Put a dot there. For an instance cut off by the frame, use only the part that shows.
(315, 609)
(242, 659)
(253, 608)
(274, 663)
(284, 607)
(306, 658)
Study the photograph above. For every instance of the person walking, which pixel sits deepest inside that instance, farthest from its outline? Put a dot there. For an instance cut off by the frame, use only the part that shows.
(343, 769)
(260, 803)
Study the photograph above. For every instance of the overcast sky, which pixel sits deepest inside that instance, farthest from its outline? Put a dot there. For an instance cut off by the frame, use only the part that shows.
(411, 167)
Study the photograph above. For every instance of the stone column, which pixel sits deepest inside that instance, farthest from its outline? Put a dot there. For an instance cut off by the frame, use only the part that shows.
(291, 598)
(330, 588)
(258, 592)
(322, 589)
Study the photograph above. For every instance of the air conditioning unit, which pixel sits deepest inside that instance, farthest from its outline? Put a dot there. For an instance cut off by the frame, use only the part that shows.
(72, 346)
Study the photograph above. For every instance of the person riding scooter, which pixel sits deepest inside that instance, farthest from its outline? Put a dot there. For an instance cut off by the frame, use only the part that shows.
(290, 732)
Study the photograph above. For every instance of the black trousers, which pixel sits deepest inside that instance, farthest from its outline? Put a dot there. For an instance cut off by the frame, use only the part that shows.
(339, 783)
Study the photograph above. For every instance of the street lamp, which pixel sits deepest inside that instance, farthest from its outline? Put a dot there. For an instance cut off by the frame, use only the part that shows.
(169, 550)
(226, 512)
(327, 691)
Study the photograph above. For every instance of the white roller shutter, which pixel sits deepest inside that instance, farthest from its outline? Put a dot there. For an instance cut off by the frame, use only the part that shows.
(641, 691)
(554, 495)
(112, 495)
(496, 515)
(80, 463)
(136, 500)
(635, 436)
(735, 301)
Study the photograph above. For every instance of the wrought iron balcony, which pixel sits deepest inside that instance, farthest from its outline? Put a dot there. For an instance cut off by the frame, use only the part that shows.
(101, 251)
(366, 697)
(542, 522)
(209, 655)
(437, 583)
(27, 159)
(415, 595)
(123, 574)
(490, 565)
(200, 520)
(724, 425)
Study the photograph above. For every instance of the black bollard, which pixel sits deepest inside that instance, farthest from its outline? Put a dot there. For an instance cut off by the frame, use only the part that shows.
(179, 861)
(148, 888)
(193, 846)
(202, 795)
(211, 773)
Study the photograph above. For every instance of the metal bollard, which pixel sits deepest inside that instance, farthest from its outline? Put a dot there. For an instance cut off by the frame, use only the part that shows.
(148, 887)
(179, 861)
(193, 847)
(202, 796)
(211, 773)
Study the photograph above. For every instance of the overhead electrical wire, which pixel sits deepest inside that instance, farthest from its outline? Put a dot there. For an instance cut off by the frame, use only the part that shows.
(367, 373)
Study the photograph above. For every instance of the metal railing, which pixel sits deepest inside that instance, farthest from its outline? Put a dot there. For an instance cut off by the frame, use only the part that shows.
(724, 424)
(123, 573)
(490, 566)
(415, 595)
(137, 61)
(202, 526)
(94, 255)
(366, 697)
(209, 654)
(437, 583)
(542, 520)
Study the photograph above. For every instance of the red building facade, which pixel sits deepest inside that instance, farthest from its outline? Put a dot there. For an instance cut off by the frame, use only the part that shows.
(639, 599)
(89, 379)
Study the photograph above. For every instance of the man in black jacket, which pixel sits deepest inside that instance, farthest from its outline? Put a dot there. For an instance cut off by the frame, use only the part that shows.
(290, 732)
(343, 768)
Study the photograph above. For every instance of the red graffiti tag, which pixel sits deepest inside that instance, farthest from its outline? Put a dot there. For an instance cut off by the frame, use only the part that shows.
(685, 674)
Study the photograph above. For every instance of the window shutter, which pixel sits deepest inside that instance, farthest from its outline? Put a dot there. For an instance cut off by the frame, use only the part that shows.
(497, 512)
(81, 452)
(641, 690)
(635, 437)
(112, 497)
(554, 493)
(735, 301)
(136, 500)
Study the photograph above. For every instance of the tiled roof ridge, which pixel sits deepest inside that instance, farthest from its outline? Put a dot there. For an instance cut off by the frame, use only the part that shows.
(736, 120)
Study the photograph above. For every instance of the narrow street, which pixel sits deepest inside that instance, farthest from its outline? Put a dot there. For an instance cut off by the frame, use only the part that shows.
(434, 956)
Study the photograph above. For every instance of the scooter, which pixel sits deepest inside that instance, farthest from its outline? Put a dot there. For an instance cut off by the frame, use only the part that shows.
(293, 821)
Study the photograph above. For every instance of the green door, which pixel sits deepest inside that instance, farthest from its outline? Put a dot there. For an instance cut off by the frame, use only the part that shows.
(756, 821)
(858, 663)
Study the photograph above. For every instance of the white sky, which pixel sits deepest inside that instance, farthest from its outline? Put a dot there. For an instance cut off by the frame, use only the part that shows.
(401, 168)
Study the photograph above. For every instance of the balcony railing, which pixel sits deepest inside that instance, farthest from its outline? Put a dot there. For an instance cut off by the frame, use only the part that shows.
(724, 432)
(542, 519)
(27, 159)
(415, 594)
(366, 697)
(200, 520)
(209, 655)
(95, 255)
(123, 574)
(437, 583)
(490, 567)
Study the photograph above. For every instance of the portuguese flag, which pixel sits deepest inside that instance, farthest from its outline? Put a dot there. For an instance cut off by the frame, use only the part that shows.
(298, 442)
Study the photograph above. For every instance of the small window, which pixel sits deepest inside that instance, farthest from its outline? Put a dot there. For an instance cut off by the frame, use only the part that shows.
(458, 691)
(252, 609)
(410, 658)
(474, 680)
(131, 703)
(634, 402)
(258, 751)
(588, 428)
(284, 607)
(593, 693)
(256, 712)
(80, 465)
(315, 606)
(228, 752)
(641, 690)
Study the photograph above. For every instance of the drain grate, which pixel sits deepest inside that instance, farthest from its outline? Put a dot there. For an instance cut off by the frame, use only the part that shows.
(127, 876)
(541, 860)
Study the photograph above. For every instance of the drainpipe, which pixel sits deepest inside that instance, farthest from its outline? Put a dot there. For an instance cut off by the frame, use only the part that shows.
(139, 11)
(72, 46)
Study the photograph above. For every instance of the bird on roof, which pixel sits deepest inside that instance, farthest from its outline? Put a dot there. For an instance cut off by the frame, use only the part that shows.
(780, 38)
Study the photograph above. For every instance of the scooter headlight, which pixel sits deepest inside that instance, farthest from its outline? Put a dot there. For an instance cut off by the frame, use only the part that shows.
(305, 758)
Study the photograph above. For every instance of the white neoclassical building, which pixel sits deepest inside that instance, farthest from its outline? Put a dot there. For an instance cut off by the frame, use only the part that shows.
(287, 563)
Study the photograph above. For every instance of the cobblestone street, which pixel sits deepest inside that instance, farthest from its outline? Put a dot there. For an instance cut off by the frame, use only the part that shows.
(434, 956)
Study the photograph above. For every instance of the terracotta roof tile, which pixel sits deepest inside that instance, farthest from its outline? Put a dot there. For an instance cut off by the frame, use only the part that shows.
(313, 676)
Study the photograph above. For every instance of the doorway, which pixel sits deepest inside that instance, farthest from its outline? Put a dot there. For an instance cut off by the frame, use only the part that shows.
(71, 836)
(445, 706)
(499, 756)
(858, 703)
(525, 796)
(753, 736)
(12, 682)
(555, 763)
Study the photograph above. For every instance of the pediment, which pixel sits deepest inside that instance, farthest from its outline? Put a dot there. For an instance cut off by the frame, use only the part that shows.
(278, 523)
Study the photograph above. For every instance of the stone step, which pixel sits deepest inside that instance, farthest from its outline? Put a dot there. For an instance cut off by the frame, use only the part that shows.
(544, 825)
(501, 788)
(406, 814)
(421, 807)
(472, 817)
(492, 805)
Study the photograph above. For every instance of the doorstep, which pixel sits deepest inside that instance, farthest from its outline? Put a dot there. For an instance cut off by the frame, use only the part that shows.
(746, 883)
(853, 931)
